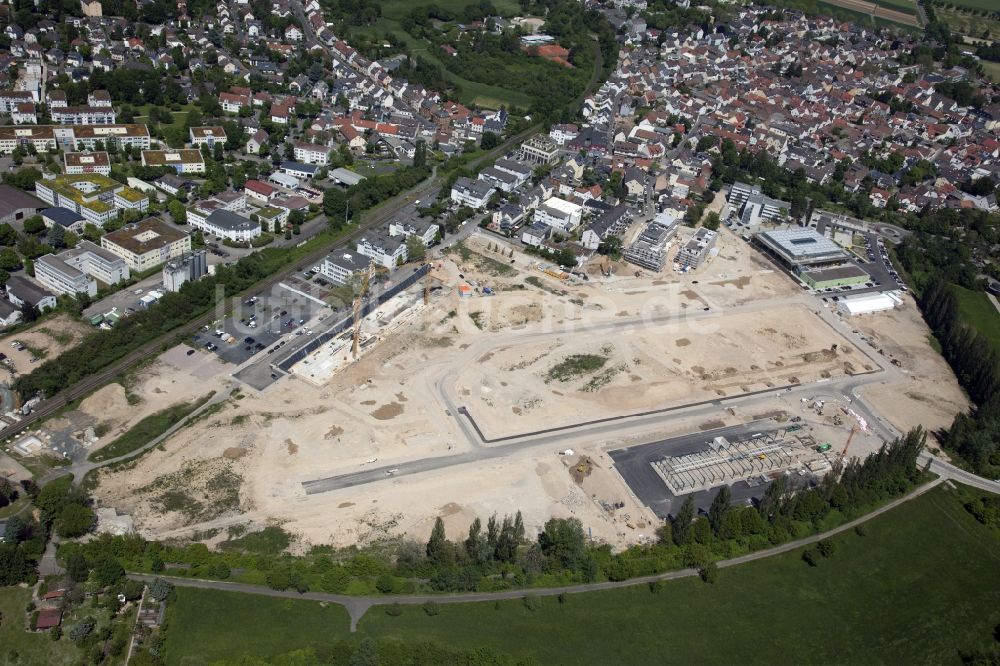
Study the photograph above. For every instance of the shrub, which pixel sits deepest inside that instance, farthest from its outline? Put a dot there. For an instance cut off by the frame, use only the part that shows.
(562, 597)
(431, 608)
(709, 573)
(394, 610)
(811, 557)
(532, 602)
(861, 530)
(55, 634)
(825, 548)
(656, 586)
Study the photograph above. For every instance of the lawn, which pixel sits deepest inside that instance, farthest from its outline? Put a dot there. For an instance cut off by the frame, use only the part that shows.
(205, 626)
(992, 70)
(922, 585)
(147, 429)
(975, 4)
(967, 24)
(397, 9)
(977, 310)
(32, 649)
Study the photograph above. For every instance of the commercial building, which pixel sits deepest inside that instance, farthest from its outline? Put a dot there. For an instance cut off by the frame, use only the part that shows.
(650, 249)
(799, 247)
(227, 224)
(207, 136)
(95, 162)
(868, 304)
(64, 218)
(147, 244)
(17, 205)
(343, 267)
(47, 138)
(78, 270)
(559, 214)
(84, 115)
(189, 267)
(345, 177)
(299, 169)
(473, 193)
(833, 277)
(258, 190)
(97, 198)
(185, 160)
(693, 253)
(23, 291)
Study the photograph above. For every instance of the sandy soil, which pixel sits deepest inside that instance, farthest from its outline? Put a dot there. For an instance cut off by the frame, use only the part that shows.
(245, 463)
(929, 395)
(49, 337)
(513, 389)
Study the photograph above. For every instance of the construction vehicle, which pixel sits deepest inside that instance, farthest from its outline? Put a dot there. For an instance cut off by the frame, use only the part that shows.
(366, 278)
(843, 454)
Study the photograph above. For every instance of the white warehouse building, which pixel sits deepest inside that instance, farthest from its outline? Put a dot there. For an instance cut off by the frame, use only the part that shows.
(868, 304)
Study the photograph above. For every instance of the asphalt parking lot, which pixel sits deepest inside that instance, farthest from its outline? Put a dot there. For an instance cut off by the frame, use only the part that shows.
(634, 466)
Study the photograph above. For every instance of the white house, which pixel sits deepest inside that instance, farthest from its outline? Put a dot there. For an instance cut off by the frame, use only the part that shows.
(473, 193)
(559, 214)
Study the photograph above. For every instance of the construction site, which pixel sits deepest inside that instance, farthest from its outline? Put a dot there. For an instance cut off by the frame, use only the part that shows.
(472, 381)
(755, 460)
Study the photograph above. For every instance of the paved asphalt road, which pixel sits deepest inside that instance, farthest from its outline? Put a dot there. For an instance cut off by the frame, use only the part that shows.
(358, 606)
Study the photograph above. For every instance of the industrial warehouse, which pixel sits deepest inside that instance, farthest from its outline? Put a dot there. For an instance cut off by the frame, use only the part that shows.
(815, 259)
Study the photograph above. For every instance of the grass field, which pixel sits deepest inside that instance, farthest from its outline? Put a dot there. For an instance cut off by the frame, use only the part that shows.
(976, 309)
(396, 9)
(974, 4)
(32, 649)
(147, 429)
(922, 585)
(905, 6)
(992, 70)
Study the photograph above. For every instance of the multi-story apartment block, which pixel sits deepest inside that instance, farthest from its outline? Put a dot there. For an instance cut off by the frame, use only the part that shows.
(84, 115)
(226, 224)
(473, 193)
(312, 153)
(559, 214)
(385, 250)
(343, 267)
(46, 138)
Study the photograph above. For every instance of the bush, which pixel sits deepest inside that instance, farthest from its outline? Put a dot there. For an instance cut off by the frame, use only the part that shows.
(394, 610)
(811, 557)
(825, 547)
(656, 586)
(55, 634)
(561, 598)
(532, 602)
(861, 530)
(159, 589)
(431, 608)
(709, 573)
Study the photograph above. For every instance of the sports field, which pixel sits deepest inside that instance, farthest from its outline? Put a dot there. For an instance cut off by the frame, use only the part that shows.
(921, 585)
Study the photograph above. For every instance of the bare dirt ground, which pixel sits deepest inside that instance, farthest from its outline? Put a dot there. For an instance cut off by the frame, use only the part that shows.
(929, 395)
(245, 462)
(47, 338)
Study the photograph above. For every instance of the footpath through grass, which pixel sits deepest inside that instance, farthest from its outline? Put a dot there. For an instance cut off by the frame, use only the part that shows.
(921, 586)
(977, 310)
(147, 429)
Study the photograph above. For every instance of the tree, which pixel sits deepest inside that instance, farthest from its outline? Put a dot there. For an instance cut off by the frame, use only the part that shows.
(720, 506)
(76, 567)
(57, 236)
(438, 549)
(34, 225)
(74, 520)
(489, 141)
(9, 259)
(420, 154)
(335, 206)
(612, 247)
(712, 221)
(177, 212)
(563, 543)
(415, 250)
(8, 236)
(681, 523)
(108, 571)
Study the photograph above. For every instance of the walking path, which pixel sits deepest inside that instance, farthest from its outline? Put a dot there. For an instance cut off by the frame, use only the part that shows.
(358, 606)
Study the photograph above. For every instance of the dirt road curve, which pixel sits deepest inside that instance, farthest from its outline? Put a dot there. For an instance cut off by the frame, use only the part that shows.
(873, 9)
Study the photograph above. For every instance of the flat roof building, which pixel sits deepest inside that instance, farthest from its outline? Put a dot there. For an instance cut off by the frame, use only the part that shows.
(697, 249)
(799, 247)
(79, 269)
(147, 244)
(185, 160)
(868, 303)
(650, 249)
(87, 162)
(207, 136)
(342, 267)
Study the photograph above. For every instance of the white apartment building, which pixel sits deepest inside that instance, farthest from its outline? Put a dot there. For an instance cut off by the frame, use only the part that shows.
(559, 214)
(78, 270)
(473, 193)
(343, 267)
(84, 115)
(184, 160)
(147, 244)
(311, 153)
(385, 250)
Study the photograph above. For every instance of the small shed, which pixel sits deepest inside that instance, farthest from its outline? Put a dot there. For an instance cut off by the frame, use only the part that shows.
(48, 618)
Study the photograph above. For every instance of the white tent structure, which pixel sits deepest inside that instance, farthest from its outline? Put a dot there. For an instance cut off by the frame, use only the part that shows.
(868, 303)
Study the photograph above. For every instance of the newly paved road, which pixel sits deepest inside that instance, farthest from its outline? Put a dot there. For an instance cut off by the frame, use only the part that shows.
(358, 606)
